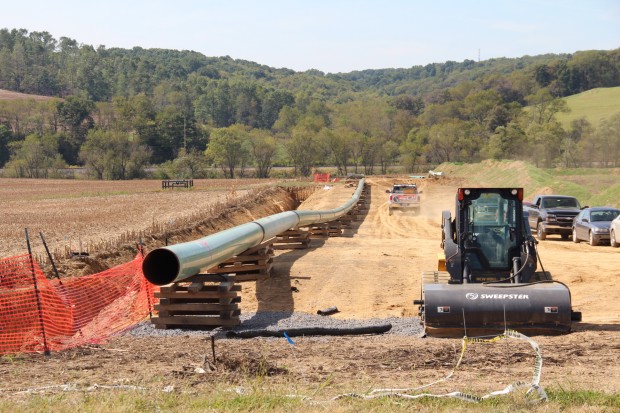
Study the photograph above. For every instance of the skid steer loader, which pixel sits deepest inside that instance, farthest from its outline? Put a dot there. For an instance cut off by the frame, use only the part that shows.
(487, 280)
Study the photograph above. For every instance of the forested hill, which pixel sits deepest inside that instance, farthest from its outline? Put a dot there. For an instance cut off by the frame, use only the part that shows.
(39, 64)
(116, 110)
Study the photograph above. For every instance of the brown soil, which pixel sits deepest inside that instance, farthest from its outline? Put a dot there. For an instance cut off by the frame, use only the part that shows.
(373, 271)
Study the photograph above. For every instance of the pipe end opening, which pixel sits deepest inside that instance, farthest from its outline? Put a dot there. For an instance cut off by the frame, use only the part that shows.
(161, 266)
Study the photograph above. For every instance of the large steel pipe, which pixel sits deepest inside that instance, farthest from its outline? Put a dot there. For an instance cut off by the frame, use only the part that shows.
(177, 262)
(319, 217)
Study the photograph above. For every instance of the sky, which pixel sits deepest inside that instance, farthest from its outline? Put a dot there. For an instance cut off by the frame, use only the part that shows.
(330, 35)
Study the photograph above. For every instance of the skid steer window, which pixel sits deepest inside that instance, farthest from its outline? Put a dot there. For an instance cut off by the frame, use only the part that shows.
(491, 221)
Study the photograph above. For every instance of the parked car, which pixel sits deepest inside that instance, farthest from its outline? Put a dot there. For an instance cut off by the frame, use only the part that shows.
(614, 232)
(593, 225)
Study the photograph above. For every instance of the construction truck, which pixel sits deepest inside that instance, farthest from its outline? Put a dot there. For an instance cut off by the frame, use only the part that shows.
(404, 197)
(487, 279)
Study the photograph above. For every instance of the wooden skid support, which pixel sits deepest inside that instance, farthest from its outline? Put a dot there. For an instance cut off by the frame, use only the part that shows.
(204, 300)
(361, 206)
(353, 215)
(292, 239)
(326, 230)
(194, 321)
(251, 265)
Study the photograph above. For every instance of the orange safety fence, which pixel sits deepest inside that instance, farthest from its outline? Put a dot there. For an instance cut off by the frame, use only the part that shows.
(321, 177)
(41, 315)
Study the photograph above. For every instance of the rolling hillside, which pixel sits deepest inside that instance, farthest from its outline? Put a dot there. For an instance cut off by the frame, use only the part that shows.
(594, 105)
(592, 186)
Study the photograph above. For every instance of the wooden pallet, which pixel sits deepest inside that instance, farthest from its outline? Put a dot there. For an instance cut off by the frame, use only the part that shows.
(251, 265)
(363, 205)
(205, 300)
(325, 230)
(355, 214)
(292, 239)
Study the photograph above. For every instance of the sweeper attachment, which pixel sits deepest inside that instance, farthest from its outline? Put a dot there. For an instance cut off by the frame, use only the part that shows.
(487, 280)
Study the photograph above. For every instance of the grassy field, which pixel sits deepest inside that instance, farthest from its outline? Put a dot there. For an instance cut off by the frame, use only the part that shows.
(258, 395)
(594, 105)
(592, 186)
(10, 95)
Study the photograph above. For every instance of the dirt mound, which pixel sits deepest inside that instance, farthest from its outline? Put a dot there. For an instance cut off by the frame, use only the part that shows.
(80, 266)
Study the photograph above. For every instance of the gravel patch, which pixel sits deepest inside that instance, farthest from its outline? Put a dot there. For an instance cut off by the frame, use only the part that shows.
(280, 321)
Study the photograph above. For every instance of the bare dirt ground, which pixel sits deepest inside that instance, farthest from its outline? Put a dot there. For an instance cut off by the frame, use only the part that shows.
(373, 271)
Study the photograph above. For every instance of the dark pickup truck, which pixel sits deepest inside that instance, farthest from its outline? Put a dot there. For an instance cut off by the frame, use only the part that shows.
(552, 214)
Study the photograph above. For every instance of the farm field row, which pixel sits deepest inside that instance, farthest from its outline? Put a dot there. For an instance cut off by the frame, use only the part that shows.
(74, 213)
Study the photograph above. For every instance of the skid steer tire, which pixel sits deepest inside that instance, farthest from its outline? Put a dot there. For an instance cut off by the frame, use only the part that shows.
(541, 276)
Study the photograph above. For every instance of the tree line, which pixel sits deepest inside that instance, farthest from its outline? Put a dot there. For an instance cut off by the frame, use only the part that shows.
(118, 111)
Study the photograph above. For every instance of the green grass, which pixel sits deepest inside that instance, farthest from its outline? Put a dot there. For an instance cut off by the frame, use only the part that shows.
(592, 186)
(576, 398)
(261, 396)
(594, 105)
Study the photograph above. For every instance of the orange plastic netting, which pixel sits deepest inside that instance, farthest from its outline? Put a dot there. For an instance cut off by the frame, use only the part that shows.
(37, 314)
(321, 177)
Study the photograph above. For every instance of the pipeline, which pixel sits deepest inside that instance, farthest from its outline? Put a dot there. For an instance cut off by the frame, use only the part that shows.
(180, 261)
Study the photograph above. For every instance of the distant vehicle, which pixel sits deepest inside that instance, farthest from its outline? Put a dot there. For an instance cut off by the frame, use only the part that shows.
(593, 225)
(614, 232)
(404, 196)
(552, 214)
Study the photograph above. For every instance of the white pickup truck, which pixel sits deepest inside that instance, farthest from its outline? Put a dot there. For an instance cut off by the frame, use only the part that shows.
(405, 197)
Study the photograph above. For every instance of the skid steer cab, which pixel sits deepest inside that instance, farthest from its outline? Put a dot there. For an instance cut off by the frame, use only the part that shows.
(487, 279)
